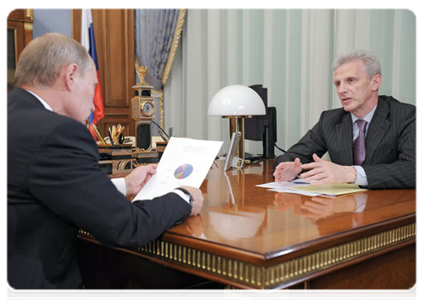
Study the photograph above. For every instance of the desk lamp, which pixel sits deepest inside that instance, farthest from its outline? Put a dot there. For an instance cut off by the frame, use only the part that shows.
(236, 102)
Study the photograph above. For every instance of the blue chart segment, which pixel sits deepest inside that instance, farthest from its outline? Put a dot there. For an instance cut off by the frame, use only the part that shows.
(183, 171)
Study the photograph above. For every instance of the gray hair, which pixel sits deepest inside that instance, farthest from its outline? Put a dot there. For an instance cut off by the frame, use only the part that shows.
(43, 58)
(369, 60)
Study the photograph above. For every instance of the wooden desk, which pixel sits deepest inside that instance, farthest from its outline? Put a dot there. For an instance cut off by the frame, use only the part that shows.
(248, 237)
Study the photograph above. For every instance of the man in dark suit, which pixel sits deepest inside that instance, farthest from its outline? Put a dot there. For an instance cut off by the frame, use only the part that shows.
(54, 184)
(371, 140)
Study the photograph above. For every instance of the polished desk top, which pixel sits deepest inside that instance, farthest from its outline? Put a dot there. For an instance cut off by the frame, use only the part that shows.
(267, 224)
(246, 227)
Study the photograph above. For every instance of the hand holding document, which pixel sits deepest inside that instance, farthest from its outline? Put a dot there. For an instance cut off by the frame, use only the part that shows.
(299, 186)
(185, 162)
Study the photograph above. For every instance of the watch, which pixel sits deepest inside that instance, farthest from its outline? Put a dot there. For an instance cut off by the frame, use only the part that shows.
(189, 196)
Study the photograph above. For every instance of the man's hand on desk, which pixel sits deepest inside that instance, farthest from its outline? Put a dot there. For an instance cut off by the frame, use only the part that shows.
(197, 195)
(287, 171)
(322, 171)
(136, 180)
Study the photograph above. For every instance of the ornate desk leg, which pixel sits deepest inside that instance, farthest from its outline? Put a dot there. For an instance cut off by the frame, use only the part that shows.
(234, 293)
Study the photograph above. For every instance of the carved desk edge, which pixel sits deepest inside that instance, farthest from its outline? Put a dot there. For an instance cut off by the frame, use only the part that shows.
(283, 274)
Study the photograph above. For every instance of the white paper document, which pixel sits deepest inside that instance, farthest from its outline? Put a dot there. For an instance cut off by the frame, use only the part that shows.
(299, 186)
(287, 186)
(185, 162)
(284, 184)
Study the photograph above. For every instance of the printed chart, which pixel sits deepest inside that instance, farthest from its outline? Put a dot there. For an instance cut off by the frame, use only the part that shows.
(183, 171)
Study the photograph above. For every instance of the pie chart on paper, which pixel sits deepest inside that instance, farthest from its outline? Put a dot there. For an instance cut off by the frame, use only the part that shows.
(183, 171)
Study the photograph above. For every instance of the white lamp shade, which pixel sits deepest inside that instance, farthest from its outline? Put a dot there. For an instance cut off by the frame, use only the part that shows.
(236, 100)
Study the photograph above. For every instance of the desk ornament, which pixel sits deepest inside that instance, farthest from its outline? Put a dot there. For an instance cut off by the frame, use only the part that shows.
(143, 109)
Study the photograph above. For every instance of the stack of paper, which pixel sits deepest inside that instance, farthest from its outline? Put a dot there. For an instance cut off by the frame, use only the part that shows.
(299, 186)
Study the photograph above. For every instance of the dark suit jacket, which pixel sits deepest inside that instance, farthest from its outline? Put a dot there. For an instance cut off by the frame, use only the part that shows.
(55, 188)
(390, 143)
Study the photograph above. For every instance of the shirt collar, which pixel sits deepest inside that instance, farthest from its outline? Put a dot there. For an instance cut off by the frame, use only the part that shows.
(45, 104)
(367, 118)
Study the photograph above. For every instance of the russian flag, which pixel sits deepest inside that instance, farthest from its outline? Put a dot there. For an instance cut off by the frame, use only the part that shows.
(88, 41)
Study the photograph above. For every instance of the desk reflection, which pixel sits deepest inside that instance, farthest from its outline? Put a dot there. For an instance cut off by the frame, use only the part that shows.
(318, 208)
(194, 226)
(234, 224)
(227, 223)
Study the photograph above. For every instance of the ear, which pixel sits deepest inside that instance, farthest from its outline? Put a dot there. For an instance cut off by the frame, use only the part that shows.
(70, 75)
(376, 82)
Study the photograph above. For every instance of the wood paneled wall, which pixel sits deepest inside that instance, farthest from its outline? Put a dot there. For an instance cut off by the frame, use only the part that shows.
(114, 37)
(21, 21)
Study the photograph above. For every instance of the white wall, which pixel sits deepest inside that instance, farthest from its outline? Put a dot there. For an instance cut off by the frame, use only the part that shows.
(288, 51)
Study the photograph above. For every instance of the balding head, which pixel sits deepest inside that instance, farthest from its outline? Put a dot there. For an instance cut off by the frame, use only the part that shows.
(43, 58)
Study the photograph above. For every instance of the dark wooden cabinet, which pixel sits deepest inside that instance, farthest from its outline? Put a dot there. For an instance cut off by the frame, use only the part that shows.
(19, 34)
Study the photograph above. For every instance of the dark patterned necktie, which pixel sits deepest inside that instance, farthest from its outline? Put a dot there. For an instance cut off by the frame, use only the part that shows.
(359, 146)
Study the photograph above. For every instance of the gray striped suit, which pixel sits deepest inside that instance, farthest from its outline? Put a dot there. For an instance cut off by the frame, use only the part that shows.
(390, 143)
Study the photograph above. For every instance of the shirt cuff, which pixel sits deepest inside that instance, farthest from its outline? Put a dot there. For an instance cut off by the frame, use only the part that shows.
(361, 176)
(181, 194)
(120, 185)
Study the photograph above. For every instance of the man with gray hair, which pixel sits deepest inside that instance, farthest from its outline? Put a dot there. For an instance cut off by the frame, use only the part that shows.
(55, 186)
(371, 140)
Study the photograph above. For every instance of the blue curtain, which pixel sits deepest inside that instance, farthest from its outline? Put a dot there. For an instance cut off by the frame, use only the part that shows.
(154, 35)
